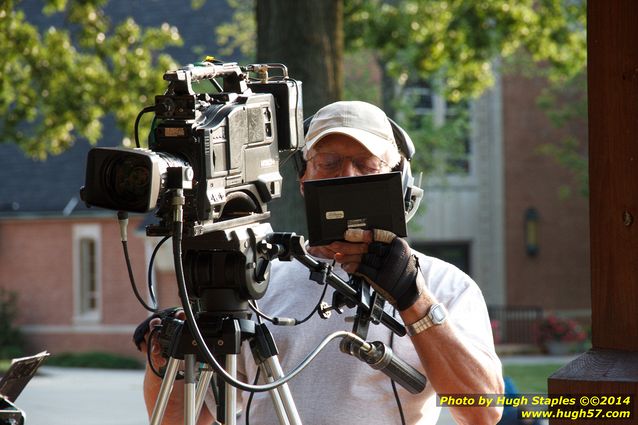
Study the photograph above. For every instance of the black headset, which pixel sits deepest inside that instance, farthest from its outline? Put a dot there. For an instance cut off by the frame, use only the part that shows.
(412, 193)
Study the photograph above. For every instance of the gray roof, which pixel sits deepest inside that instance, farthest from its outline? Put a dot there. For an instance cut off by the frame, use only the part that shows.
(51, 187)
(48, 187)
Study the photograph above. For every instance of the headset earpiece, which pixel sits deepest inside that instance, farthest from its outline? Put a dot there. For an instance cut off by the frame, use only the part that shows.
(300, 162)
(412, 194)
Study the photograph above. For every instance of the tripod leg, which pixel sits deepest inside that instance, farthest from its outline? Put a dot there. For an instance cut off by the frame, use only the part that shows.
(189, 390)
(231, 392)
(165, 391)
(202, 387)
(283, 401)
(278, 404)
(265, 352)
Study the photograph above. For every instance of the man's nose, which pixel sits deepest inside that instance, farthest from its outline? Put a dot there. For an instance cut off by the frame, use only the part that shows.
(348, 169)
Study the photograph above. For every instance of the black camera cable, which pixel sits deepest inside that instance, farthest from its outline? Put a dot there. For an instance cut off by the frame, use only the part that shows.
(149, 277)
(137, 123)
(393, 383)
(257, 373)
(288, 321)
(122, 218)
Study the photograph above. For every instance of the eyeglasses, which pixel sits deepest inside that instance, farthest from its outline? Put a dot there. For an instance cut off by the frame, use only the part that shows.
(330, 162)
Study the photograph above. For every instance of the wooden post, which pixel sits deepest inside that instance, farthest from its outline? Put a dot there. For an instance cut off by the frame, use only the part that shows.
(611, 366)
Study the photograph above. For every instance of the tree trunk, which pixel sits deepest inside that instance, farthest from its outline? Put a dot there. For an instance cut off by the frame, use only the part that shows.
(306, 36)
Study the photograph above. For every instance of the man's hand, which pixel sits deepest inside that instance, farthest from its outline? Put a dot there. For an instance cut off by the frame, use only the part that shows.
(143, 332)
(382, 259)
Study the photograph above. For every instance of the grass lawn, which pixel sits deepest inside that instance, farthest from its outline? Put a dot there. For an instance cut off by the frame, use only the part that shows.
(531, 379)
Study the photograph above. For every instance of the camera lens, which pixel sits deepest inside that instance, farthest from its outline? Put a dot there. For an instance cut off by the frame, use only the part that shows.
(129, 179)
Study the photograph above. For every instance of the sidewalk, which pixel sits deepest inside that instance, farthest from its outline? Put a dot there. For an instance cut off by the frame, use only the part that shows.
(65, 396)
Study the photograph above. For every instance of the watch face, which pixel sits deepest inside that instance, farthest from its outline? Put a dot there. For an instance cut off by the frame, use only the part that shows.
(438, 314)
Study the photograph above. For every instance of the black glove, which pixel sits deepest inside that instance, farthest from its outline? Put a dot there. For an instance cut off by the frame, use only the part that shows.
(391, 268)
(143, 328)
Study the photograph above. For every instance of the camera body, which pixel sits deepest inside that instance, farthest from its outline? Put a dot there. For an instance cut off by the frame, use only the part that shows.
(218, 142)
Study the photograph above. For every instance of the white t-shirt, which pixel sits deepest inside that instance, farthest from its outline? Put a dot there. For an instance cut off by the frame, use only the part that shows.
(338, 388)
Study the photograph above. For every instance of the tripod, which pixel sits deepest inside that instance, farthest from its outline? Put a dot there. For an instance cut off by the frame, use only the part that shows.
(221, 269)
(226, 335)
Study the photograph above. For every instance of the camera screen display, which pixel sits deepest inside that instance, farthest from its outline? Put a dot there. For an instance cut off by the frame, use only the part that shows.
(373, 201)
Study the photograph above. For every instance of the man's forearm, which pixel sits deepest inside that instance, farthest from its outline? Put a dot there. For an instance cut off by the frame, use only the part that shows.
(451, 367)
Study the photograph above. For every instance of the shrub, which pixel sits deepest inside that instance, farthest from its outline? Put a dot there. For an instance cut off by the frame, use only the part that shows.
(97, 360)
(11, 338)
(553, 328)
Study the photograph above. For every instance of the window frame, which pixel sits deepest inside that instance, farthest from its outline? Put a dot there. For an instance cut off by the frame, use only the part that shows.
(81, 234)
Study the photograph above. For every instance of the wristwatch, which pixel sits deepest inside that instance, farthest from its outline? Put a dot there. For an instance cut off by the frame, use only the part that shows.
(436, 315)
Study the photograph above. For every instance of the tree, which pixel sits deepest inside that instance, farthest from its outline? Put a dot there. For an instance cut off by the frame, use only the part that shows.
(451, 44)
(58, 83)
(307, 36)
(454, 44)
(312, 49)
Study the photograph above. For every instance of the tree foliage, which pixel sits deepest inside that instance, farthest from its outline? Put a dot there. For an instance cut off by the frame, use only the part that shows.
(240, 33)
(455, 42)
(454, 45)
(58, 83)
(451, 42)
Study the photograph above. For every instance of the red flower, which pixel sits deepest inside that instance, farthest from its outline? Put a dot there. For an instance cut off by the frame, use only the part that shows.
(553, 328)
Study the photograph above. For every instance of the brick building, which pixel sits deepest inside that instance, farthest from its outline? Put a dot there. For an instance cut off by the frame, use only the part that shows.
(64, 261)
(558, 276)
(477, 220)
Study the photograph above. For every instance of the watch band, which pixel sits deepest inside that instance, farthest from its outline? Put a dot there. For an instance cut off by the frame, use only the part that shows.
(436, 315)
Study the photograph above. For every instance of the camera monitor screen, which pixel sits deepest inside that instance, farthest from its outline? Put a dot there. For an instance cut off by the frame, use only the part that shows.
(373, 201)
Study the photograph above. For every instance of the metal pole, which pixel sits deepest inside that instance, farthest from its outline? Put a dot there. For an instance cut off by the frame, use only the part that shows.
(231, 392)
(165, 391)
(189, 389)
(202, 388)
(275, 372)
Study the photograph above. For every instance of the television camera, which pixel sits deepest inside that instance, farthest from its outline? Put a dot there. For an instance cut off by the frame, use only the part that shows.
(222, 146)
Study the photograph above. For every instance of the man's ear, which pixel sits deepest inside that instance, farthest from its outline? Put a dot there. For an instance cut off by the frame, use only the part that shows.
(301, 180)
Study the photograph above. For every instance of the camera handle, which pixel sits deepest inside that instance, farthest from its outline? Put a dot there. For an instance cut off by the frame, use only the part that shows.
(369, 305)
(287, 246)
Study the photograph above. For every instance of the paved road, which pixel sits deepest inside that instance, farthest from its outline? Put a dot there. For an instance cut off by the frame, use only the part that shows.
(60, 396)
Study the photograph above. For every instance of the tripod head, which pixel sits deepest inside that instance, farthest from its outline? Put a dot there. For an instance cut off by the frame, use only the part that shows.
(224, 269)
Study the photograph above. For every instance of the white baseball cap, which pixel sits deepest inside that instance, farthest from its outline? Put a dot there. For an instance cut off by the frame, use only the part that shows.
(364, 122)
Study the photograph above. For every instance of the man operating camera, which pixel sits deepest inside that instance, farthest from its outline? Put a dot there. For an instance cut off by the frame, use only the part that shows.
(450, 338)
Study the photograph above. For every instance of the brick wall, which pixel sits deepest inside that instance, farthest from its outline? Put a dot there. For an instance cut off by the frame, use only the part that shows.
(558, 278)
(36, 261)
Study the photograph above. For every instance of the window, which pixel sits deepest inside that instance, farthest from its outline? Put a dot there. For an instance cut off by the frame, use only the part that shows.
(457, 114)
(88, 276)
(449, 126)
(87, 273)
